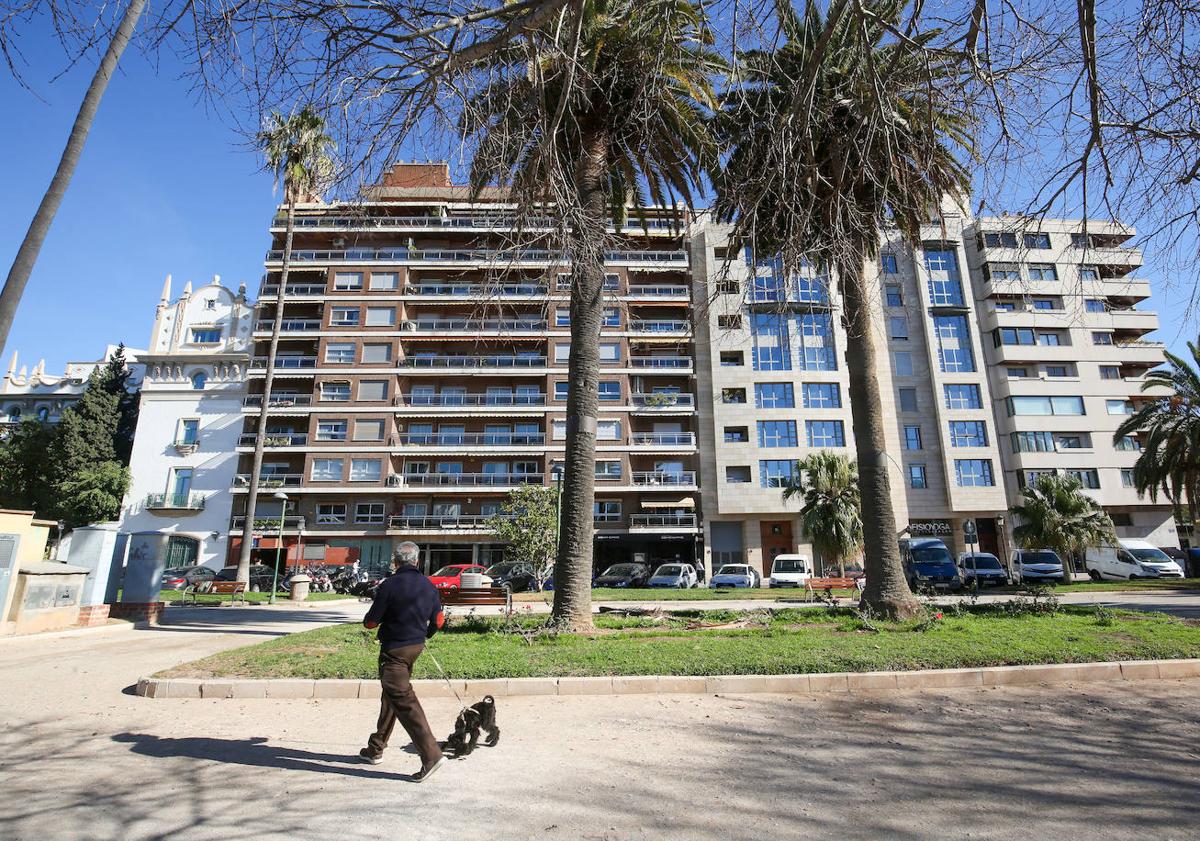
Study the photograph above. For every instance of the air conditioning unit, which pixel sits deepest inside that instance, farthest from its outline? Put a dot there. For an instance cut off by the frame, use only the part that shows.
(395, 480)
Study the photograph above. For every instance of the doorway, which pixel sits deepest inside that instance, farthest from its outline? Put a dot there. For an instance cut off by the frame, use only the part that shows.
(182, 552)
(776, 540)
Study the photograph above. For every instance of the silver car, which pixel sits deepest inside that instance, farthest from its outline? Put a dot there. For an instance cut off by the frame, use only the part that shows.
(676, 576)
(1038, 565)
(736, 575)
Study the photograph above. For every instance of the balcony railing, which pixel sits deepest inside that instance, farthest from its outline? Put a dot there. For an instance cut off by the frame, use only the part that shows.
(475, 325)
(662, 521)
(471, 479)
(278, 401)
(285, 363)
(797, 292)
(483, 439)
(276, 439)
(660, 362)
(289, 325)
(605, 519)
(176, 501)
(673, 325)
(298, 289)
(494, 400)
(455, 222)
(665, 478)
(270, 480)
(476, 290)
(665, 290)
(474, 522)
(469, 255)
(473, 362)
(268, 524)
(662, 400)
(672, 439)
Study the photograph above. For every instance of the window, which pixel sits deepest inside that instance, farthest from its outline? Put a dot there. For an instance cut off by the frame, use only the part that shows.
(1057, 371)
(608, 470)
(368, 430)
(1102, 338)
(777, 434)
(1069, 442)
(1110, 372)
(562, 282)
(825, 433)
(199, 380)
(1089, 273)
(381, 316)
(1038, 240)
(1016, 373)
(908, 400)
(347, 281)
(817, 351)
(963, 397)
(1127, 477)
(738, 474)
(327, 469)
(384, 281)
(1003, 271)
(1004, 306)
(612, 317)
(887, 263)
(1127, 443)
(893, 295)
(365, 469)
(377, 353)
(973, 473)
(1044, 304)
(562, 317)
(954, 344)
(331, 513)
(608, 430)
(736, 435)
(373, 390)
(1014, 336)
(609, 352)
(898, 328)
(1118, 407)
(331, 430)
(729, 322)
(1045, 406)
(968, 434)
(822, 395)
(188, 434)
(733, 395)
(902, 363)
(369, 513)
(560, 390)
(912, 438)
(945, 282)
(1000, 239)
(772, 348)
(916, 476)
(1079, 240)
(728, 286)
(774, 396)
(610, 390)
(611, 282)
(206, 335)
(1042, 271)
(335, 392)
(731, 359)
(1049, 339)
(776, 473)
(344, 317)
(1094, 305)
(339, 353)
(1032, 442)
(1088, 477)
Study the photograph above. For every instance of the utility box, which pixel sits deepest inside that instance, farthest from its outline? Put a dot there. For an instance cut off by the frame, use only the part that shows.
(92, 547)
(47, 597)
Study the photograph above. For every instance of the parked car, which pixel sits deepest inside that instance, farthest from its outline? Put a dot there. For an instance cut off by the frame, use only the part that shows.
(261, 577)
(677, 576)
(513, 576)
(450, 577)
(790, 571)
(1130, 559)
(927, 563)
(1037, 565)
(982, 567)
(623, 575)
(180, 577)
(736, 575)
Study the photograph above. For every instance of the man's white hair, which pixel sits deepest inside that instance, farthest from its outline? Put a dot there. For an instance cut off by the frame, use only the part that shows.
(408, 553)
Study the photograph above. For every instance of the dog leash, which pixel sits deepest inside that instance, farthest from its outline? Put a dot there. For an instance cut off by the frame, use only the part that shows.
(442, 672)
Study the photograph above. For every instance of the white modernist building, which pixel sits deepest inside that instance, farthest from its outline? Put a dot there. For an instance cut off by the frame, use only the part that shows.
(26, 394)
(185, 450)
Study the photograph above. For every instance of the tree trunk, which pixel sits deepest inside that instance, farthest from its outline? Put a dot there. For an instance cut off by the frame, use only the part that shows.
(573, 568)
(31, 246)
(260, 437)
(886, 591)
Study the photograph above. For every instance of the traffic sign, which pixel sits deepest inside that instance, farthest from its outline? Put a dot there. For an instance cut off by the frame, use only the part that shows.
(970, 533)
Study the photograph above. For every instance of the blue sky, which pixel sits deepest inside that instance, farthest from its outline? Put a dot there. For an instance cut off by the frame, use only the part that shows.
(164, 186)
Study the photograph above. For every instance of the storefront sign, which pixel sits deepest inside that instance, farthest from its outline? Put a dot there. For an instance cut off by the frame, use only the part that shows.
(929, 528)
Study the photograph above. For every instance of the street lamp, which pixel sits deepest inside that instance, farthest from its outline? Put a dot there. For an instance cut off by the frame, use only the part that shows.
(283, 501)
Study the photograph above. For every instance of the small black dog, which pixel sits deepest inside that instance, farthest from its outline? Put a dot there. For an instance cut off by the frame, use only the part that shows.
(471, 720)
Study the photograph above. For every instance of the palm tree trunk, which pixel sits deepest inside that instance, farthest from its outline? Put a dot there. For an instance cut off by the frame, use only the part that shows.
(886, 590)
(573, 568)
(260, 437)
(31, 246)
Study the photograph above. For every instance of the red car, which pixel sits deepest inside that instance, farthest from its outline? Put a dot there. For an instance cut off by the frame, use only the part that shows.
(450, 577)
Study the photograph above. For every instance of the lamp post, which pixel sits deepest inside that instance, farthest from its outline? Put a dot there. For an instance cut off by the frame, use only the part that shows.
(283, 500)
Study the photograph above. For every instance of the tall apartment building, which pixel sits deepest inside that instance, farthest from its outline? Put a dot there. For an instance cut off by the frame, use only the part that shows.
(422, 377)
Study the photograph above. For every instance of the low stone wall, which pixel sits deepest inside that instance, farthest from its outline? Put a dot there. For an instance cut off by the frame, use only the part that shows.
(95, 614)
(149, 612)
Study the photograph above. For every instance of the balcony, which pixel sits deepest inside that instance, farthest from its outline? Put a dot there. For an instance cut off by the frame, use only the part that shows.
(269, 524)
(462, 522)
(670, 479)
(451, 223)
(275, 439)
(606, 520)
(674, 325)
(443, 362)
(666, 400)
(270, 481)
(468, 256)
(285, 363)
(477, 290)
(666, 290)
(795, 292)
(497, 401)
(666, 362)
(484, 439)
(289, 325)
(473, 325)
(662, 521)
(294, 290)
(470, 480)
(282, 401)
(664, 439)
(176, 502)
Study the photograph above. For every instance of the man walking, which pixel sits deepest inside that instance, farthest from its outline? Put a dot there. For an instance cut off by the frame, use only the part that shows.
(407, 612)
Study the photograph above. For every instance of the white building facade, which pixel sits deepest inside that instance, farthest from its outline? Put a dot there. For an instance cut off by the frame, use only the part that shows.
(33, 394)
(185, 450)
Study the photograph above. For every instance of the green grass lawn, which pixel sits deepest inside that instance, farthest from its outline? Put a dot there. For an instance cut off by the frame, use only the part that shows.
(176, 596)
(1117, 586)
(649, 594)
(789, 641)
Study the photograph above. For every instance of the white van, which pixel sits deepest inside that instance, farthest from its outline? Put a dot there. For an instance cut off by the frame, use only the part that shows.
(1131, 559)
(790, 571)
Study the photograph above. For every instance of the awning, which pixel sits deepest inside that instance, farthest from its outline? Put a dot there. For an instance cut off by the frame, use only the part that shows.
(686, 502)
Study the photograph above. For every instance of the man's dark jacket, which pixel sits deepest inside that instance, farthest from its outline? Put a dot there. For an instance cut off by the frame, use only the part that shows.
(406, 608)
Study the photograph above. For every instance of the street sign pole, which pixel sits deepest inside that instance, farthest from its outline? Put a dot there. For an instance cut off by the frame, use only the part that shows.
(971, 536)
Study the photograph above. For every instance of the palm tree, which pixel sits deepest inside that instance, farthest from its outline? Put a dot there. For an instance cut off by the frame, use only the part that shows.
(614, 115)
(1054, 513)
(831, 515)
(297, 151)
(840, 131)
(43, 218)
(1170, 430)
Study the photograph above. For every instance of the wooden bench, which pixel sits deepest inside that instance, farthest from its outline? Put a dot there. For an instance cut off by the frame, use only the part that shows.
(477, 596)
(234, 589)
(826, 586)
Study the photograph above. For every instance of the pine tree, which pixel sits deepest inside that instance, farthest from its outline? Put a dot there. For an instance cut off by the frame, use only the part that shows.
(115, 380)
(23, 476)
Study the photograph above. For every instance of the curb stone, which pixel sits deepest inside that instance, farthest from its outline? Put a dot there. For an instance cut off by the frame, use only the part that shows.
(820, 683)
